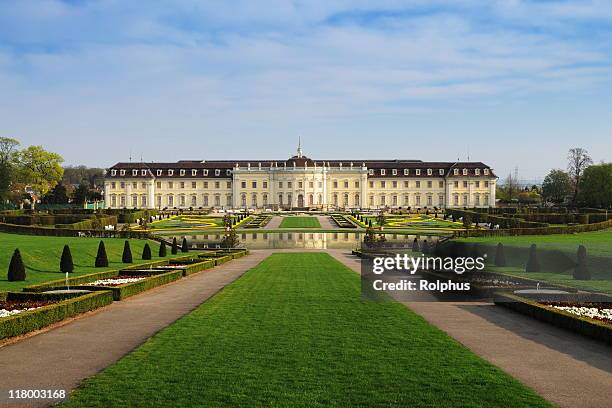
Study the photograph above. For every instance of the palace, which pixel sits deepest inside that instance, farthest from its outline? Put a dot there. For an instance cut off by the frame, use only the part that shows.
(300, 183)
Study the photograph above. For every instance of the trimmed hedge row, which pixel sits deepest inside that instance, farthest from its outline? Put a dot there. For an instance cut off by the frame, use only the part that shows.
(585, 326)
(258, 221)
(130, 289)
(562, 229)
(342, 221)
(68, 232)
(196, 265)
(131, 217)
(504, 222)
(26, 322)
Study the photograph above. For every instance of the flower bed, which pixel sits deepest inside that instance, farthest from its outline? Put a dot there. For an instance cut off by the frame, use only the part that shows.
(258, 221)
(45, 309)
(126, 290)
(342, 221)
(572, 312)
(116, 280)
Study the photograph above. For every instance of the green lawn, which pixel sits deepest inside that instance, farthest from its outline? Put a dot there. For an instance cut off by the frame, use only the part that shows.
(300, 222)
(41, 256)
(294, 332)
(599, 257)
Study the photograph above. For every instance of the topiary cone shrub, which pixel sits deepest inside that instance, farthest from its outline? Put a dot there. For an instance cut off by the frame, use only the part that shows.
(174, 246)
(162, 249)
(146, 252)
(533, 265)
(500, 255)
(66, 264)
(101, 257)
(184, 247)
(16, 270)
(415, 246)
(127, 253)
(581, 272)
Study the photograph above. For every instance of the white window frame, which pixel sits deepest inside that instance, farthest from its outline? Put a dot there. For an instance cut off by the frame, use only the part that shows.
(134, 172)
(429, 172)
(217, 172)
(159, 172)
(182, 172)
(122, 172)
(170, 172)
(206, 172)
(406, 172)
(394, 172)
(456, 172)
(477, 172)
(113, 172)
(465, 172)
(228, 172)
(194, 172)
(418, 172)
(441, 172)
(371, 172)
(486, 172)
(382, 172)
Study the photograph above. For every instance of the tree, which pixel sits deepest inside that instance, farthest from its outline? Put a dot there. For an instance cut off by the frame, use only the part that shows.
(230, 239)
(162, 249)
(16, 271)
(556, 186)
(184, 247)
(127, 253)
(101, 257)
(467, 221)
(146, 252)
(578, 160)
(596, 186)
(56, 196)
(81, 193)
(66, 264)
(39, 169)
(8, 148)
(510, 188)
(174, 249)
(533, 265)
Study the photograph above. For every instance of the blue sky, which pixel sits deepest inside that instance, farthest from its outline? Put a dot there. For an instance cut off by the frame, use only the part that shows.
(512, 83)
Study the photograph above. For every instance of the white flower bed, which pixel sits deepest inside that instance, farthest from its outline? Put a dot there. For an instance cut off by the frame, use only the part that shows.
(7, 313)
(592, 312)
(111, 281)
(494, 282)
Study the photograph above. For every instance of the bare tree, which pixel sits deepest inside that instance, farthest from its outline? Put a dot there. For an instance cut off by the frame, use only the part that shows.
(511, 187)
(578, 160)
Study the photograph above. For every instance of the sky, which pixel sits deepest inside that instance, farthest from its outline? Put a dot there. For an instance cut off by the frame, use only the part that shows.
(508, 82)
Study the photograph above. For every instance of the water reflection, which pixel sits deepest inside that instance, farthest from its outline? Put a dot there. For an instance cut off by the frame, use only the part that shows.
(290, 240)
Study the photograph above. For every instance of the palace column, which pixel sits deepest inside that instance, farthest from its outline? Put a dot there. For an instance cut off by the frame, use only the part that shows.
(151, 194)
(128, 193)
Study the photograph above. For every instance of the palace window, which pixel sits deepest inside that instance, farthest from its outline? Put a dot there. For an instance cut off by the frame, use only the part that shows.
(371, 184)
(205, 172)
(335, 184)
(394, 183)
(228, 172)
(217, 200)
(134, 185)
(289, 184)
(456, 172)
(182, 172)
(465, 200)
(394, 200)
(486, 184)
(456, 199)
(456, 183)
(382, 172)
(406, 199)
(206, 184)
(429, 172)
(113, 172)
(193, 184)
(217, 172)
(477, 184)
(122, 201)
(345, 200)
(356, 184)
(382, 184)
(477, 172)
(159, 172)
(229, 184)
(243, 184)
(254, 184)
(134, 172)
(394, 172)
(182, 184)
(477, 199)
(113, 200)
(311, 184)
(182, 200)
(418, 200)
(465, 172)
(122, 184)
(143, 172)
(194, 201)
(486, 172)
(465, 184)
(441, 200)
(371, 201)
(300, 184)
(194, 172)
(356, 200)
(486, 199)
(335, 200)
(320, 184)
(205, 197)
(429, 200)
(158, 199)
(254, 200)
(406, 184)
(418, 184)
(346, 184)
(382, 200)
(113, 185)
(280, 184)
(228, 200)
(441, 172)
(406, 172)
(170, 201)
(217, 185)
(429, 184)
(280, 199)
(243, 200)
(122, 172)
(265, 185)
(170, 172)
(170, 184)
(143, 185)
(371, 172)
(441, 184)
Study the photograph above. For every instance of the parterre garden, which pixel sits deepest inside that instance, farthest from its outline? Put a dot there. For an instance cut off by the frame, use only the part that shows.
(187, 222)
(410, 221)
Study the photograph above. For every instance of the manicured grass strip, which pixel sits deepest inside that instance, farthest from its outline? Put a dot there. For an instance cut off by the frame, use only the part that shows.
(294, 332)
(300, 222)
(41, 256)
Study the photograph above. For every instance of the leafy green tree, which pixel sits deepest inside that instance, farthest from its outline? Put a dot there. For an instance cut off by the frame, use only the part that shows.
(57, 195)
(596, 186)
(66, 264)
(39, 169)
(81, 193)
(8, 149)
(16, 271)
(556, 186)
(380, 219)
(230, 239)
(581, 272)
(101, 257)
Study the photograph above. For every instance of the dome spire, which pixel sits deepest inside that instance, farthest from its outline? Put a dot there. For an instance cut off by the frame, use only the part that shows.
(299, 149)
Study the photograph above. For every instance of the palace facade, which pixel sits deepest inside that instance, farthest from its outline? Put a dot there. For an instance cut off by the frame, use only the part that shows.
(300, 183)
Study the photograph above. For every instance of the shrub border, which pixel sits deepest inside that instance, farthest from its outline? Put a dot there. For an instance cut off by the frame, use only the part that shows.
(39, 318)
(584, 326)
(130, 289)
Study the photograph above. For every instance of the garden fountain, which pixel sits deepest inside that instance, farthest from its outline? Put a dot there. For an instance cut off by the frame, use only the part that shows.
(67, 290)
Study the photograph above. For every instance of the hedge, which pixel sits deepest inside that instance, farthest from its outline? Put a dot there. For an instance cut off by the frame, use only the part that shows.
(26, 322)
(67, 232)
(588, 327)
(130, 289)
(131, 217)
(198, 266)
(562, 229)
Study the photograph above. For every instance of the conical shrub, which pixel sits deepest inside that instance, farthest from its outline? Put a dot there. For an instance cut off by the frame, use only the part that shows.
(581, 272)
(101, 257)
(162, 249)
(66, 264)
(533, 265)
(16, 270)
(127, 253)
(415, 246)
(185, 247)
(500, 255)
(146, 252)
(174, 246)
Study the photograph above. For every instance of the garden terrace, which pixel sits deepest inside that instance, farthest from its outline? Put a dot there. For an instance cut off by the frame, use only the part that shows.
(421, 222)
(342, 221)
(258, 221)
(304, 310)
